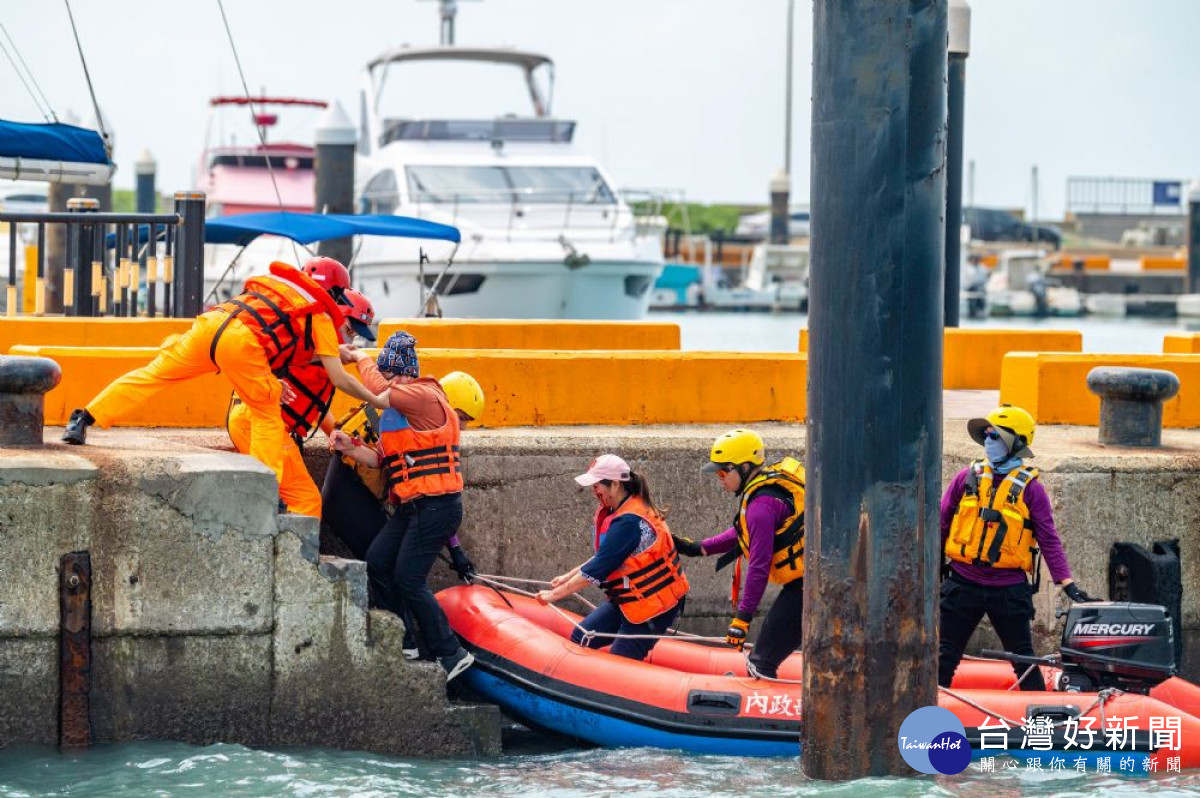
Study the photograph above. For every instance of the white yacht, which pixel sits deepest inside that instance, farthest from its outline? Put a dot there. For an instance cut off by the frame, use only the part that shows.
(544, 233)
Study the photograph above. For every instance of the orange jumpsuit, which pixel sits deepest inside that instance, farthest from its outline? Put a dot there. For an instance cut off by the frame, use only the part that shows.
(296, 488)
(240, 357)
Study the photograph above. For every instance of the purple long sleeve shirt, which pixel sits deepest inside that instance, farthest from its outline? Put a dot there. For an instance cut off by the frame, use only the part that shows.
(764, 514)
(1040, 514)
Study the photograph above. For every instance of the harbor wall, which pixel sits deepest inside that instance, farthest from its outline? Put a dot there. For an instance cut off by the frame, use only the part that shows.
(212, 617)
(216, 619)
(522, 387)
(525, 517)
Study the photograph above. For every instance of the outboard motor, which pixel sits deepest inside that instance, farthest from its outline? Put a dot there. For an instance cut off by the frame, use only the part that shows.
(1116, 644)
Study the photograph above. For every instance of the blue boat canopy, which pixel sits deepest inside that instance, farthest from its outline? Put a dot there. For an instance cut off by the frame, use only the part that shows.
(306, 228)
(51, 142)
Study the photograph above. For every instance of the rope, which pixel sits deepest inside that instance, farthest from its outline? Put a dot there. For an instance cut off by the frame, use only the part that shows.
(47, 112)
(588, 634)
(756, 674)
(95, 105)
(1102, 697)
(254, 118)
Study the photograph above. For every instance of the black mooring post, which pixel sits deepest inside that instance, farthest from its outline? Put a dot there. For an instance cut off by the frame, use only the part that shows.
(874, 384)
(189, 253)
(959, 48)
(334, 167)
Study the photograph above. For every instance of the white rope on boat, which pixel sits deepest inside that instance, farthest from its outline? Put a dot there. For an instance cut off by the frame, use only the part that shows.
(1102, 697)
(588, 634)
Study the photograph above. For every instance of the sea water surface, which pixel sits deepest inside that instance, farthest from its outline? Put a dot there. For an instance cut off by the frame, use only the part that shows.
(174, 769)
(536, 766)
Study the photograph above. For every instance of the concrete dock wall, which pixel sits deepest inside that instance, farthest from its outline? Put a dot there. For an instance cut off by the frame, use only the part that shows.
(213, 618)
(525, 516)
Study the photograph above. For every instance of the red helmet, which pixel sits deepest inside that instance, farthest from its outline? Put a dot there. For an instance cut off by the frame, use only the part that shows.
(359, 312)
(329, 274)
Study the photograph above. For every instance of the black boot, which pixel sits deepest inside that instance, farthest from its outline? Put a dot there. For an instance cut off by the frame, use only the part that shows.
(76, 431)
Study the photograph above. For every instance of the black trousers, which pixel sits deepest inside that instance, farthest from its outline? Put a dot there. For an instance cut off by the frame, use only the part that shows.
(782, 631)
(399, 561)
(1010, 609)
(349, 509)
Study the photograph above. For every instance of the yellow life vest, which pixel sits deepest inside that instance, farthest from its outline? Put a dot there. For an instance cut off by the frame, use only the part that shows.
(362, 424)
(785, 481)
(992, 525)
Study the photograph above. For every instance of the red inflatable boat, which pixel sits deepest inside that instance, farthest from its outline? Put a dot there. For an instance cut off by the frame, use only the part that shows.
(698, 697)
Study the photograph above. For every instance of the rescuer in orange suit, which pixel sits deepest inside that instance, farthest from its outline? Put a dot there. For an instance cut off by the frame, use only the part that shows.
(307, 395)
(286, 318)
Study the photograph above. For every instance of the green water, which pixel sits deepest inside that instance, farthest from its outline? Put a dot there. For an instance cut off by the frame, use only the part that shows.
(175, 769)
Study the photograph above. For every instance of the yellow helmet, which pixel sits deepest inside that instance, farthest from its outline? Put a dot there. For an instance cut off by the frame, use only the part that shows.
(463, 393)
(736, 447)
(1008, 416)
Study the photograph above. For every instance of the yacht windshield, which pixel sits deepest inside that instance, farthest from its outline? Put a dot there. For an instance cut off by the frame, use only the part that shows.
(576, 185)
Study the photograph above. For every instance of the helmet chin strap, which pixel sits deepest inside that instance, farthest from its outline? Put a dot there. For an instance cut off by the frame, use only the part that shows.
(745, 471)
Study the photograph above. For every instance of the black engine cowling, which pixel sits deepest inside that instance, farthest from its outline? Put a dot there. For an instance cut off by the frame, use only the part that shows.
(1117, 644)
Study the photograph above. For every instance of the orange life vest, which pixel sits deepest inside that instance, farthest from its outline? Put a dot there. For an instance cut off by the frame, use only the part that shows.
(420, 462)
(279, 308)
(650, 582)
(314, 394)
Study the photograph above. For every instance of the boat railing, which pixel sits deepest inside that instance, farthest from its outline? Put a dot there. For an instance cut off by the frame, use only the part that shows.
(494, 130)
(113, 264)
(518, 209)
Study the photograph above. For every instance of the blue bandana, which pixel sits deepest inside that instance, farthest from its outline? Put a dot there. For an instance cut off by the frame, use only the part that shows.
(399, 355)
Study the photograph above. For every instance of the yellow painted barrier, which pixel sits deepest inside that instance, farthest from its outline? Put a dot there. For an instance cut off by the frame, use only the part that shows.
(535, 334)
(1150, 263)
(1181, 343)
(972, 359)
(63, 331)
(523, 388)
(1053, 386)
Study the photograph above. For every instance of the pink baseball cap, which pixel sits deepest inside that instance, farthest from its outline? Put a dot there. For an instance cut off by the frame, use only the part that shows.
(606, 466)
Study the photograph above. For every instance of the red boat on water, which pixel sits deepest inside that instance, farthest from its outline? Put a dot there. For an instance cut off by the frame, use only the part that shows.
(1121, 697)
(236, 177)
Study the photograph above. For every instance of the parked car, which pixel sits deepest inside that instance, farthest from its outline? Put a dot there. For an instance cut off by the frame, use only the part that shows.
(993, 224)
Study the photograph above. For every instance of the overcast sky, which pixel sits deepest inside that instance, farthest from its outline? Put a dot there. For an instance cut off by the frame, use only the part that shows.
(678, 94)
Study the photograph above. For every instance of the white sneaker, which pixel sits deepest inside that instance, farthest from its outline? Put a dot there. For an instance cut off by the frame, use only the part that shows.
(411, 653)
(455, 664)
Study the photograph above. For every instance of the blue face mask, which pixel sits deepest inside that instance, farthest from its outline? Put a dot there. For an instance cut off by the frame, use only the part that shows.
(996, 450)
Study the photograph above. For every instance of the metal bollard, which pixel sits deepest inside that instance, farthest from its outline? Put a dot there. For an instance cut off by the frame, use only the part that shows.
(1131, 403)
(24, 382)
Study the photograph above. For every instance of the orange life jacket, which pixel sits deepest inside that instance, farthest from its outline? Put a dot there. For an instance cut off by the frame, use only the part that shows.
(650, 582)
(314, 394)
(279, 308)
(420, 462)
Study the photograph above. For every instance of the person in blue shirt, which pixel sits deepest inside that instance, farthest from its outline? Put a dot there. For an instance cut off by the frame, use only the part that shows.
(635, 564)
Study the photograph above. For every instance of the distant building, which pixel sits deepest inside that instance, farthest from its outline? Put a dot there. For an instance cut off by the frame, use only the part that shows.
(1131, 211)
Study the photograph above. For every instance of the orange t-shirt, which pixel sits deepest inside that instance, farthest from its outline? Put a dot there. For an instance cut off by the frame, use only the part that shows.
(417, 400)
